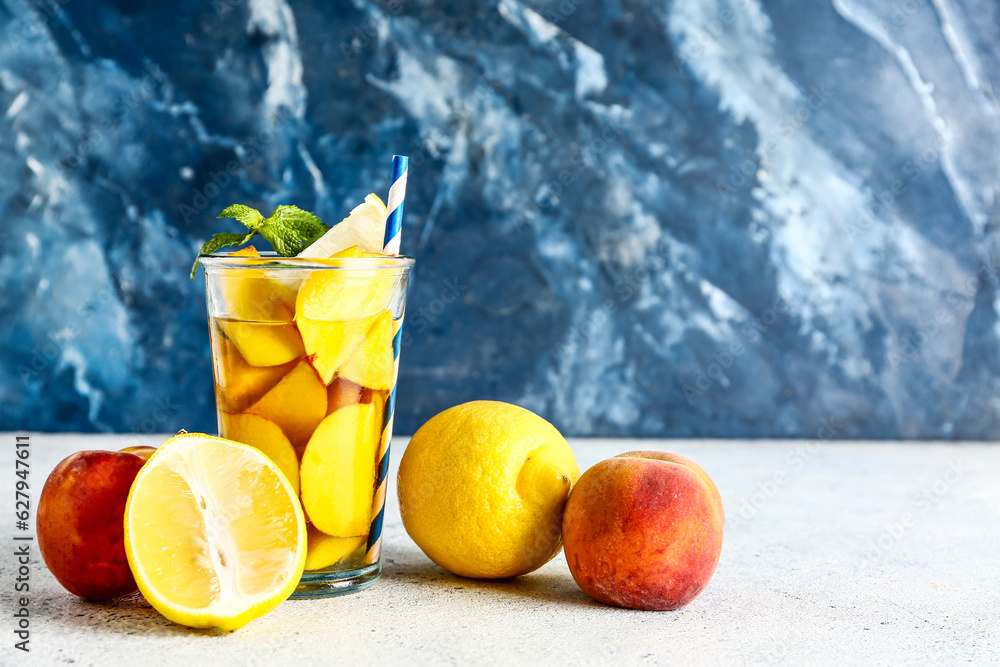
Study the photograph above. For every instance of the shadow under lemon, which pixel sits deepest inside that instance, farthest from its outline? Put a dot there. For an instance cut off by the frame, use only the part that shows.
(126, 615)
(552, 583)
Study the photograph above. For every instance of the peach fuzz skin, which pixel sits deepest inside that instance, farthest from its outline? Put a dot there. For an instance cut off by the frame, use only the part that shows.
(643, 530)
(81, 533)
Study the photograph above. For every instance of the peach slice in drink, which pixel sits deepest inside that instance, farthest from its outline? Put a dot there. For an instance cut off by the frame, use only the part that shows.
(252, 296)
(373, 365)
(259, 316)
(326, 550)
(297, 403)
(338, 470)
(333, 296)
(329, 345)
(355, 251)
(335, 311)
(264, 343)
(238, 383)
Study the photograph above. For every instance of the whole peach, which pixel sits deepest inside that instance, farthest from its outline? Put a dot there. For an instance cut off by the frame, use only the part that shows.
(644, 530)
(80, 523)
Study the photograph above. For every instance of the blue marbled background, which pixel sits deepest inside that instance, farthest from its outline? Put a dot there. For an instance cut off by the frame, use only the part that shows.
(636, 217)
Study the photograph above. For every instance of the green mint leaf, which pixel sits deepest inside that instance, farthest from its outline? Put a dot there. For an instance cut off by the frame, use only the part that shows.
(250, 217)
(294, 218)
(286, 242)
(290, 230)
(217, 242)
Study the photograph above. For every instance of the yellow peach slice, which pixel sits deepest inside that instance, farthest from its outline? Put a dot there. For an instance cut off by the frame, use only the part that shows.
(264, 343)
(326, 550)
(372, 365)
(249, 251)
(296, 404)
(334, 311)
(258, 314)
(329, 345)
(250, 295)
(355, 251)
(337, 475)
(238, 384)
(341, 295)
(266, 436)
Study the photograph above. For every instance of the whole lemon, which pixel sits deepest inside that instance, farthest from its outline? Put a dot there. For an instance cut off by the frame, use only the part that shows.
(482, 488)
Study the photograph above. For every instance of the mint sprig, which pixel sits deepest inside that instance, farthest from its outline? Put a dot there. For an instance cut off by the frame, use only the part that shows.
(288, 229)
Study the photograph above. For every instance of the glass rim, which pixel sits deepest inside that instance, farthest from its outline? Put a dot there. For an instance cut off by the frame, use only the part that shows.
(276, 262)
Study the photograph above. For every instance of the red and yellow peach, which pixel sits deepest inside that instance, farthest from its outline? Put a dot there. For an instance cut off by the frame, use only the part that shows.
(644, 530)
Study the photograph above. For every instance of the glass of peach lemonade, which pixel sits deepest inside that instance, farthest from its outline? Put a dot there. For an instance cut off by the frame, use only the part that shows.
(305, 355)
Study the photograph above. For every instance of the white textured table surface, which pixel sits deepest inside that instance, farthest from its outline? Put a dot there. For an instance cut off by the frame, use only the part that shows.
(835, 553)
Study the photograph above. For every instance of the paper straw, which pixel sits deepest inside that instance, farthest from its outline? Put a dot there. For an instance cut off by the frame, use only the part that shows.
(393, 225)
(397, 192)
(374, 547)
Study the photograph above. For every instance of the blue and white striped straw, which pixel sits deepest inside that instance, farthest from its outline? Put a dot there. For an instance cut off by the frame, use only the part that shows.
(397, 192)
(393, 225)
(374, 547)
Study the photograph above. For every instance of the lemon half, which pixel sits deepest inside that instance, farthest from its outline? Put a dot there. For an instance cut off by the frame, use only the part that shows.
(214, 532)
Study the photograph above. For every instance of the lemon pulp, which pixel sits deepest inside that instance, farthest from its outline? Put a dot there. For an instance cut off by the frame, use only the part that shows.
(214, 532)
